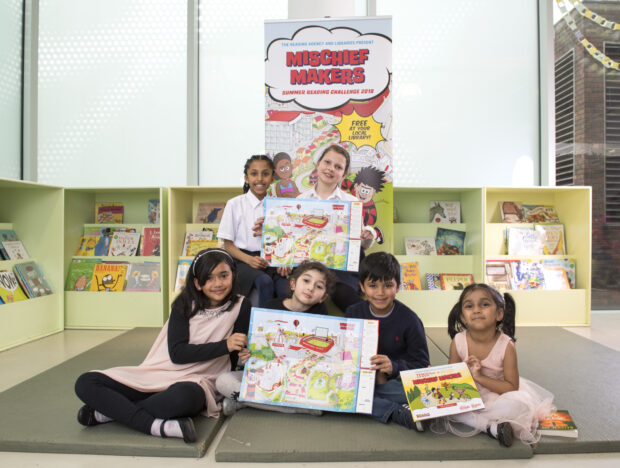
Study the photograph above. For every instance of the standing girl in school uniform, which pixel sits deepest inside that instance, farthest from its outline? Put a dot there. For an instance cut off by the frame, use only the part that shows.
(482, 328)
(235, 230)
(208, 325)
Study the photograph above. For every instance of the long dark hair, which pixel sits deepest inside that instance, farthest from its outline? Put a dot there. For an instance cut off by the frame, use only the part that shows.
(505, 302)
(191, 299)
(248, 163)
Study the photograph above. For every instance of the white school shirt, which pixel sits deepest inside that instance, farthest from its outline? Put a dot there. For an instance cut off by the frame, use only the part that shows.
(337, 194)
(238, 220)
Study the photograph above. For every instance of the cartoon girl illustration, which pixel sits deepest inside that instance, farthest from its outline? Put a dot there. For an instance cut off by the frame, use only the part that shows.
(284, 186)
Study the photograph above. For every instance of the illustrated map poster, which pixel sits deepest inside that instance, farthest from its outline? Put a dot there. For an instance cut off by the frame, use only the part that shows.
(326, 231)
(440, 391)
(328, 82)
(310, 361)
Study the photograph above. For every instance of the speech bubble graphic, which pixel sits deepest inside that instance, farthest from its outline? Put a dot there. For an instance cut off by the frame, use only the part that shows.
(360, 130)
(322, 69)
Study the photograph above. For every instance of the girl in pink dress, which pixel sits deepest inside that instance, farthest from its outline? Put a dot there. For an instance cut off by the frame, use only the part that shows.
(482, 328)
(208, 325)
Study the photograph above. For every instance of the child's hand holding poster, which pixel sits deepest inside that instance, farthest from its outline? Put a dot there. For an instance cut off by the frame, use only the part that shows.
(326, 231)
(440, 391)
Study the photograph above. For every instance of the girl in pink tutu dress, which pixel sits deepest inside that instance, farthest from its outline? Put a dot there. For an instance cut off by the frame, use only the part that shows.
(482, 326)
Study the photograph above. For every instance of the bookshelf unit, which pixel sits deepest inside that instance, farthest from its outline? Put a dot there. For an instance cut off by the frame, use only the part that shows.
(89, 309)
(411, 210)
(183, 205)
(35, 213)
(573, 205)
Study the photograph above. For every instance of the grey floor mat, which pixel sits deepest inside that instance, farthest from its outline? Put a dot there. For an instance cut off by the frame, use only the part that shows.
(39, 415)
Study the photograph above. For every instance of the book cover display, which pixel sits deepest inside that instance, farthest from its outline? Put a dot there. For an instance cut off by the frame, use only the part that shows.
(498, 274)
(5, 236)
(558, 424)
(552, 238)
(15, 250)
(153, 211)
(433, 281)
(440, 391)
(87, 244)
(124, 244)
(527, 274)
(80, 274)
(420, 246)
(191, 237)
(511, 212)
(151, 242)
(310, 361)
(455, 281)
(540, 214)
(108, 277)
(450, 242)
(143, 277)
(410, 277)
(182, 269)
(327, 231)
(10, 291)
(445, 212)
(209, 212)
(524, 241)
(328, 83)
(32, 280)
(109, 213)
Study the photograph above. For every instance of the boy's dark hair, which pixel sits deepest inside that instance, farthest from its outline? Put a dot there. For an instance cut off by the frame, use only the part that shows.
(306, 265)
(248, 163)
(192, 300)
(370, 176)
(340, 150)
(507, 303)
(380, 266)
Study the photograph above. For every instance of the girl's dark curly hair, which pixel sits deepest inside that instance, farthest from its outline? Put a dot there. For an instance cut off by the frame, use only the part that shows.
(505, 302)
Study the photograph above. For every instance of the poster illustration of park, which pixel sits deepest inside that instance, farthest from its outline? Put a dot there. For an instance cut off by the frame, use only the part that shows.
(329, 82)
(326, 231)
(440, 391)
(310, 361)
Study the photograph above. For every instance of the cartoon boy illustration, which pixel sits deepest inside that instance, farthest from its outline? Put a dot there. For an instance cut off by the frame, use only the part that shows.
(368, 181)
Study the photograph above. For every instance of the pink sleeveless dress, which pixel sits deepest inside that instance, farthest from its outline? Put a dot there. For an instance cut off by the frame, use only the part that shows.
(521, 408)
(158, 372)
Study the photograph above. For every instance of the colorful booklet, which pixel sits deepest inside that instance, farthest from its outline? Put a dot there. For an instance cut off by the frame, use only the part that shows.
(526, 274)
(32, 280)
(151, 242)
(558, 424)
(153, 212)
(206, 235)
(80, 274)
(108, 277)
(410, 277)
(438, 391)
(450, 242)
(182, 269)
(10, 291)
(327, 231)
(445, 212)
(87, 244)
(15, 250)
(109, 213)
(420, 246)
(552, 238)
(310, 361)
(540, 214)
(124, 244)
(143, 277)
(455, 281)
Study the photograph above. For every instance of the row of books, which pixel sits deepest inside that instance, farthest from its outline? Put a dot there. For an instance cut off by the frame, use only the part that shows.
(112, 212)
(445, 242)
(96, 275)
(119, 241)
(541, 239)
(411, 279)
(25, 281)
(11, 248)
(517, 212)
(550, 274)
(195, 241)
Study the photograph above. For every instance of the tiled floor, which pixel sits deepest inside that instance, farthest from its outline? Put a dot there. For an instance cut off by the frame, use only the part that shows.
(23, 362)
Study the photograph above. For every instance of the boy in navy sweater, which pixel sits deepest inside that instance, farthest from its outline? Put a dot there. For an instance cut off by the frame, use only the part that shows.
(402, 341)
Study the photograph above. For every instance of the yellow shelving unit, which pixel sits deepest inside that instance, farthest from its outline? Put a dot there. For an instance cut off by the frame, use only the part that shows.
(35, 212)
(85, 309)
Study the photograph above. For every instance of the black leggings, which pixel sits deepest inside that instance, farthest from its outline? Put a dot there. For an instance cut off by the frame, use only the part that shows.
(138, 409)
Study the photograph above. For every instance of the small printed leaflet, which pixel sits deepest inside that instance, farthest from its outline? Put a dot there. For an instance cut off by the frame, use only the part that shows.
(326, 231)
(438, 391)
(310, 361)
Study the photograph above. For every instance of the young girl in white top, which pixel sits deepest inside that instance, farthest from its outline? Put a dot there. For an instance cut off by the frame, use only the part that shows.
(482, 328)
(208, 325)
(235, 230)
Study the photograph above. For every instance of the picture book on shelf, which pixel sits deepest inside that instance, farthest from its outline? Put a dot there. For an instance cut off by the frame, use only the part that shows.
(10, 291)
(151, 242)
(109, 213)
(80, 274)
(558, 424)
(6, 235)
(108, 277)
(498, 274)
(86, 245)
(556, 277)
(102, 247)
(182, 269)
(540, 214)
(15, 250)
(526, 274)
(455, 281)
(552, 238)
(410, 277)
(445, 212)
(511, 211)
(143, 277)
(523, 241)
(106, 230)
(196, 245)
(32, 279)
(124, 244)
(153, 212)
(438, 391)
(196, 235)
(420, 246)
(209, 212)
(433, 281)
(568, 264)
(450, 242)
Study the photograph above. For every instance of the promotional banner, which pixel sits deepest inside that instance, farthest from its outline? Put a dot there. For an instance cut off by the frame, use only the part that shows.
(327, 82)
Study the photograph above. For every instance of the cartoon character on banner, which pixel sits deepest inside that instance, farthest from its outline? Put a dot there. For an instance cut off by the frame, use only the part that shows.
(284, 186)
(367, 182)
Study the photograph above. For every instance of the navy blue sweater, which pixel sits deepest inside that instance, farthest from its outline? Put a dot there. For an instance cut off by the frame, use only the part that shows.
(401, 336)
